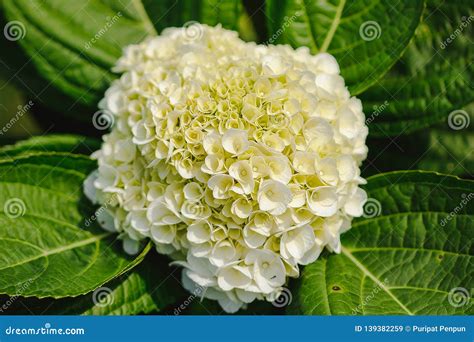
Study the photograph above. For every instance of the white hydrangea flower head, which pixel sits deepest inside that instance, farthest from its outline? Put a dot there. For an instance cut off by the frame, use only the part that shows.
(240, 161)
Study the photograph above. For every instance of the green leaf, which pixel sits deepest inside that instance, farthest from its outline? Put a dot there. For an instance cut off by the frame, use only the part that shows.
(51, 143)
(74, 45)
(441, 149)
(365, 38)
(16, 121)
(17, 69)
(149, 288)
(47, 250)
(406, 260)
(449, 152)
(171, 13)
(434, 77)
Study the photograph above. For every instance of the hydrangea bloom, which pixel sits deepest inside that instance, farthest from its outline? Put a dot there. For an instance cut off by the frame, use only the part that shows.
(240, 161)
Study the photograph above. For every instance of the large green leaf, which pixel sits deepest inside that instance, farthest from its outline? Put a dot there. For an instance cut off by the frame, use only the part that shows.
(366, 37)
(440, 148)
(434, 77)
(150, 287)
(16, 121)
(75, 44)
(47, 249)
(51, 143)
(414, 257)
(16, 68)
(168, 13)
(450, 152)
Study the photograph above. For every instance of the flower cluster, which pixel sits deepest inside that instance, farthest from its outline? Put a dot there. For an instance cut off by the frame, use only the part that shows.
(238, 160)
